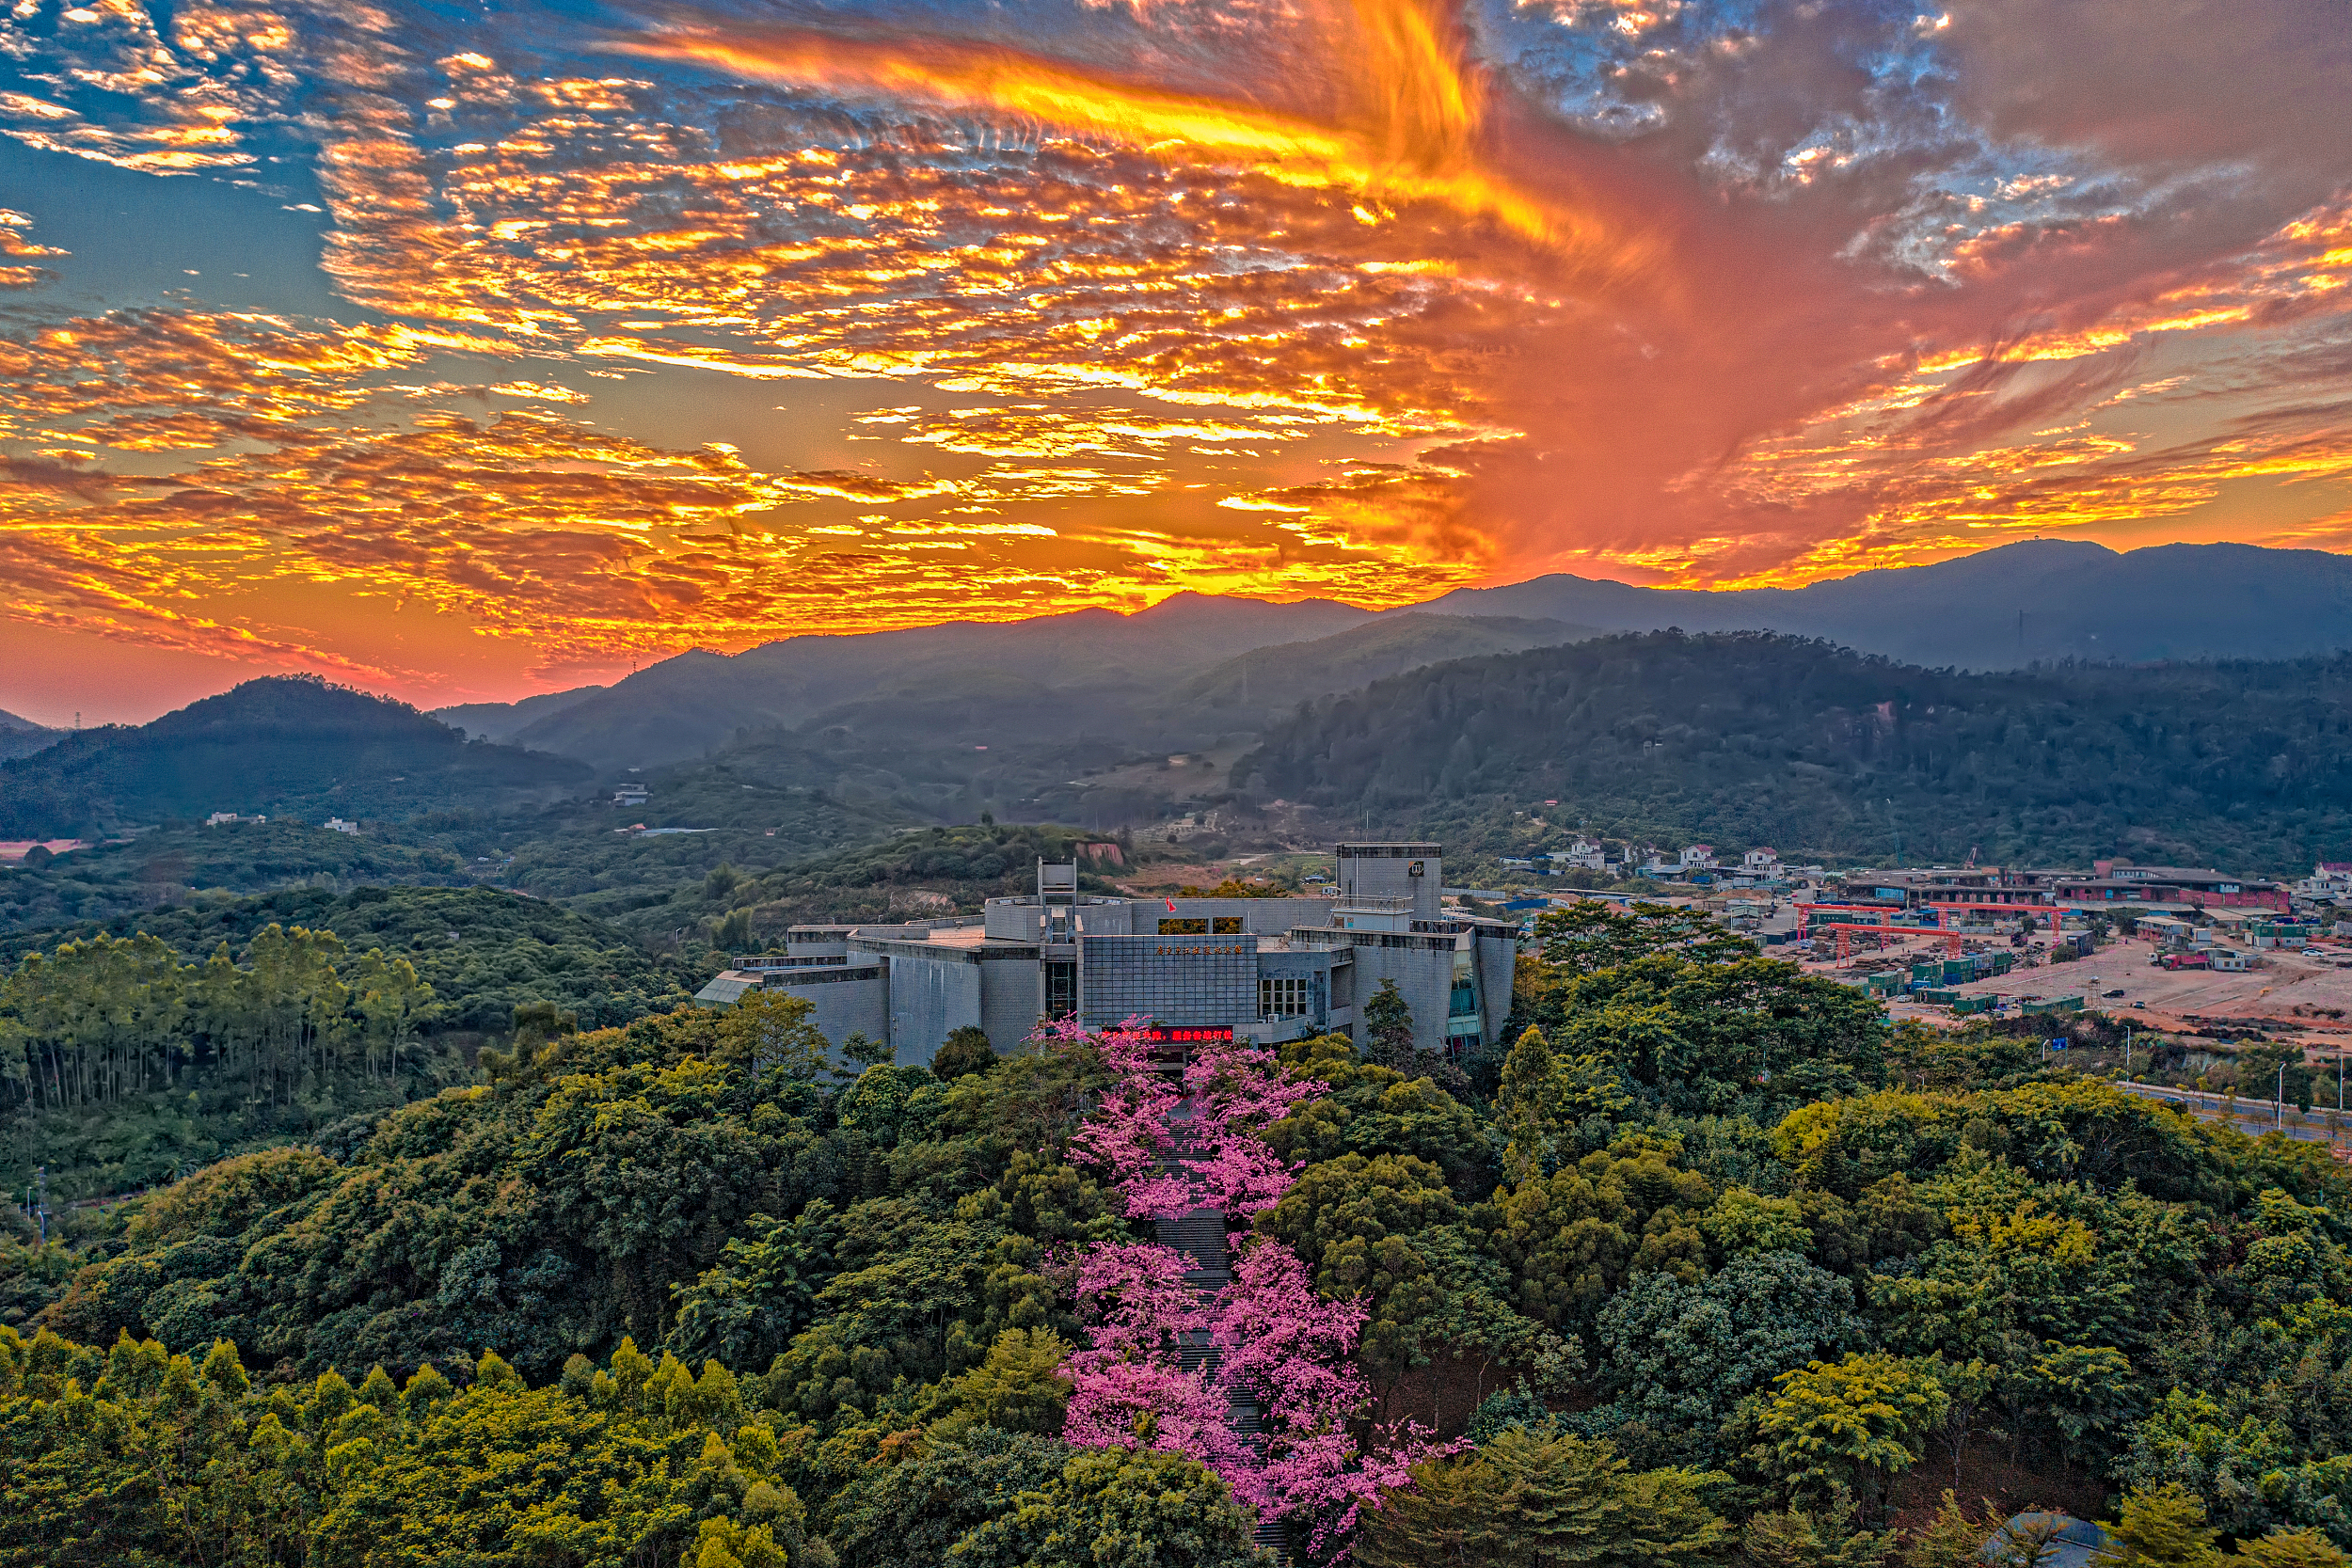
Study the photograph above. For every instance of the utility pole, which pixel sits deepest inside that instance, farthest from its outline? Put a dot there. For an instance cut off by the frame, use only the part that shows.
(2279, 1119)
(40, 1179)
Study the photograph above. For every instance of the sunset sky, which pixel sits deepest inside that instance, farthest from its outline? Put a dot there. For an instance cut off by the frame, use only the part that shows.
(462, 352)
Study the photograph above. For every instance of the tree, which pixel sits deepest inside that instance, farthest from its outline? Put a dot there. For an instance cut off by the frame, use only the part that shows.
(2028, 1541)
(768, 1030)
(2165, 1527)
(1020, 1387)
(1388, 1028)
(2297, 1548)
(1363, 1229)
(1549, 1109)
(1236, 1092)
(395, 1002)
(1523, 1501)
(914, 1508)
(1855, 1424)
(1678, 1355)
(1702, 1038)
(1127, 1136)
(1953, 1538)
(1372, 1110)
(1115, 1508)
(746, 1309)
(1129, 1388)
(1571, 1239)
(1798, 1539)
(864, 1052)
(1591, 935)
(964, 1051)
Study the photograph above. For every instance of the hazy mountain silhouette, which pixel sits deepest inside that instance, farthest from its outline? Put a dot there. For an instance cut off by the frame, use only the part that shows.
(284, 745)
(2037, 599)
(21, 738)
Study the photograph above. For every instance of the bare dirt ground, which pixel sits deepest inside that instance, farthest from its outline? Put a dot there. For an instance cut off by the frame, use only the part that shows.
(2289, 995)
(1988, 1474)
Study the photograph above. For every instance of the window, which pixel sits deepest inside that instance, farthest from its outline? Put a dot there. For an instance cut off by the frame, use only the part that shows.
(1184, 928)
(1226, 926)
(1283, 997)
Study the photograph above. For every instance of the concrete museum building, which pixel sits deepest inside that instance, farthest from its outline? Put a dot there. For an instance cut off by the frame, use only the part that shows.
(1260, 969)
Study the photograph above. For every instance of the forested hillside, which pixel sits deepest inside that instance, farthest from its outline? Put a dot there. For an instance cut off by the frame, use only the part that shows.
(1745, 739)
(197, 863)
(1711, 1268)
(137, 1050)
(285, 744)
(932, 870)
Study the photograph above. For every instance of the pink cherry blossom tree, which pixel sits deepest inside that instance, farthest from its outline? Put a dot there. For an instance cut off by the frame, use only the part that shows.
(1277, 1342)
(1128, 1133)
(1129, 1387)
(1234, 1091)
(1285, 1347)
(1133, 1298)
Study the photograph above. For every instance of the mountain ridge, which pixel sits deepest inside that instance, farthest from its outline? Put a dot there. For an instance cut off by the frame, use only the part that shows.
(21, 738)
(2039, 599)
(1744, 739)
(277, 745)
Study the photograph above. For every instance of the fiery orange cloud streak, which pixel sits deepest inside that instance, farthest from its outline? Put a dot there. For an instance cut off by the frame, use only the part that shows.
(1409, 128)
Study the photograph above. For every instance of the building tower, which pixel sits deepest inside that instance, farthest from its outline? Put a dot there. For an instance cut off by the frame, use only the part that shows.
(1058, 915)
(1413, 871)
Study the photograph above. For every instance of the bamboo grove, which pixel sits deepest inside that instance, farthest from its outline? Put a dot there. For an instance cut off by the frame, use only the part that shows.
(97, 1023)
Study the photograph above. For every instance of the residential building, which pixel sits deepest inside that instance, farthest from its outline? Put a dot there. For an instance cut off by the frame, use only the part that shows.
(1258, 968)
(1583, 854)
(630, 794)
(336, 825)
(2330, 879)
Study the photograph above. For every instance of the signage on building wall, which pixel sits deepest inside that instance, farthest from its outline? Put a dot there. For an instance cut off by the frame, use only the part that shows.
(1221, 1033)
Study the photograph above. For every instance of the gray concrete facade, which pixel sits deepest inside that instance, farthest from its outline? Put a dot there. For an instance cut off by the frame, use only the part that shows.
(1268, 969)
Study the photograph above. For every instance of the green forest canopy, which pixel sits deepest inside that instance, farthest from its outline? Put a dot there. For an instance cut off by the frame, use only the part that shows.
(1798, 1306)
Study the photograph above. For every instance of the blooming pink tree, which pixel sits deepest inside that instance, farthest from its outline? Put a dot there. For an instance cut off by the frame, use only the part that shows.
(1128, 1133)
(1234, 1091)
(1133, 1298)
(1129, 1387)
(1277, 1343)
(1289, 1349)
(1152, 1405)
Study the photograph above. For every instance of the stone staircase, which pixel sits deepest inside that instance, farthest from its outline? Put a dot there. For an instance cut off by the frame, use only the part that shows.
(1200, 1235)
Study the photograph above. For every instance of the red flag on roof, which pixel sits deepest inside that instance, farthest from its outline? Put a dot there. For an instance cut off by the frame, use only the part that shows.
(1171, 906)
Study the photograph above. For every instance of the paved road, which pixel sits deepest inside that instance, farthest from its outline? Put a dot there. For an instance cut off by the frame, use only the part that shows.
(2251, 1116)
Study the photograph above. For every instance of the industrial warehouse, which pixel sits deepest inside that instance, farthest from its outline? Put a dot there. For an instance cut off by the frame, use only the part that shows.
(1260, 969)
